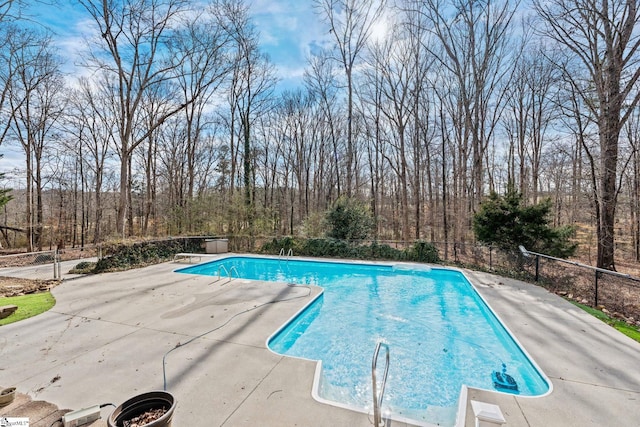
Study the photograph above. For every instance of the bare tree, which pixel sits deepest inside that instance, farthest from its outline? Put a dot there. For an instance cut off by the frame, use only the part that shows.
(394, 60)
(154, 105)
(13, 42)
(171, 170)
(472, 49)
(296, 115)
(253, 82)
(132, 46)
(200, 76)
(602, 36)
(531, 110)
(351, 23)
(632, 131)
(320, 81)
(36, 109)
(371, 95)
(91, 121)
(10, 10)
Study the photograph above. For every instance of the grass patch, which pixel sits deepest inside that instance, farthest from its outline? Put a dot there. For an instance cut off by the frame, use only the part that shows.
(627, 329)
(28, 306)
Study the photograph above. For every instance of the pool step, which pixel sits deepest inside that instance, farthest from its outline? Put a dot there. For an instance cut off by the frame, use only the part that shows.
(506, 403)
(487, 414)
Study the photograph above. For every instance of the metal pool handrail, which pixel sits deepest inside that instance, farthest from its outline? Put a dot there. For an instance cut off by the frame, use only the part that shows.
(222, 267)
(229, 271)
(377, 399)
(289, 254)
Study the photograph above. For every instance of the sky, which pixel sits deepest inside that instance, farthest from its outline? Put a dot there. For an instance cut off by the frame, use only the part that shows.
(289, 31)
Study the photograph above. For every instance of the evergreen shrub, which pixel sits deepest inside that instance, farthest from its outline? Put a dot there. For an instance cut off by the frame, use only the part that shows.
(507, 222)
(121, 256)
(420, 251)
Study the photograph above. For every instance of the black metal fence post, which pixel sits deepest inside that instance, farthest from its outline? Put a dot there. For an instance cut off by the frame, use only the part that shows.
(596, 290)
(598, 272)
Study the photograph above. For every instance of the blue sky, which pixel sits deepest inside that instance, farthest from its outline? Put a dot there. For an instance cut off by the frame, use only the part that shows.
(289, 29)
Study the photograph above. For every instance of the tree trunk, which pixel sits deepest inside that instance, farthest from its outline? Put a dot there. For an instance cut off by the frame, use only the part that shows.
(29, 207)
(97, 235)
(123, 197)
(608, 201)
(248, 202)
(349, 159)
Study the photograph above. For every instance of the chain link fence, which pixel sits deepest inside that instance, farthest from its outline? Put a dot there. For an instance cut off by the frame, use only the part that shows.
(618, 294)
(27, 258)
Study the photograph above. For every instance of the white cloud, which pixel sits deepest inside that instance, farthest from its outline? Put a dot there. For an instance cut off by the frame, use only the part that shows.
(381, 28)
(290, 32)
(12, 164)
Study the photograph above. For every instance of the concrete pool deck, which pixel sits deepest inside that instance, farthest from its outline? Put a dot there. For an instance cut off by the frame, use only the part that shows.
(105, 339)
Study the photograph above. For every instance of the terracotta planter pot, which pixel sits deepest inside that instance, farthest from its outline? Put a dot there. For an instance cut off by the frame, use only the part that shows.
(7, 395)
(141, 403)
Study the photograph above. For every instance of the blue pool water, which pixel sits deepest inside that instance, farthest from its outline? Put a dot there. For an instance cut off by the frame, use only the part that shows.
(440, 332)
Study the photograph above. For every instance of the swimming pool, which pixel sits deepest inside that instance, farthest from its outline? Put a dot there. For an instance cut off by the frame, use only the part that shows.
(440, 332)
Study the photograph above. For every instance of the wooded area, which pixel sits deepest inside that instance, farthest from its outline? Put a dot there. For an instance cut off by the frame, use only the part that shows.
(175, 125)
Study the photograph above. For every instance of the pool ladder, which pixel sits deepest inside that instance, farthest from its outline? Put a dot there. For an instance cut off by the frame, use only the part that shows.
(377, 398)
(287, 256)
(229, 272)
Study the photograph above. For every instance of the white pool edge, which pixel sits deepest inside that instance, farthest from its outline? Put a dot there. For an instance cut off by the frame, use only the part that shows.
(463, 396)
(518, 343)
(461, 412)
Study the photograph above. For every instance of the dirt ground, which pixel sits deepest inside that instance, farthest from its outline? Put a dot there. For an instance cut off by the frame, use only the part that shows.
(13, 286)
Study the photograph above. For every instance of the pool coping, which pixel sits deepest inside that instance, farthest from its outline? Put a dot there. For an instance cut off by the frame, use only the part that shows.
(579, 355)
(461, 412)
